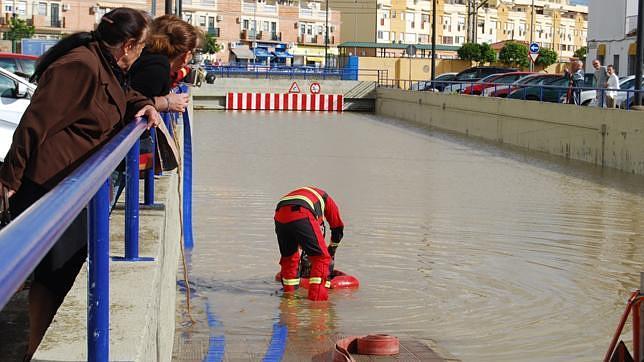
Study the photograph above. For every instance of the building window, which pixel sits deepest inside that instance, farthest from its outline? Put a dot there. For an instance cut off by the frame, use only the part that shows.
(21, 8)
(42, 9)
(245, 24)
(187, 17)
(380, 35)
(202, 20)
(8, 8)
(616, 63)
(302, 29)
(211, 22)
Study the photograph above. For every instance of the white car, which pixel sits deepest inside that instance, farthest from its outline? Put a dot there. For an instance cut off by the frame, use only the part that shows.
(625, 84)
(15, 95)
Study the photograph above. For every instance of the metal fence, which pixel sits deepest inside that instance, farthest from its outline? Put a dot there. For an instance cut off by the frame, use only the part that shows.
(259, 71)
(41, 225)
(582, 96)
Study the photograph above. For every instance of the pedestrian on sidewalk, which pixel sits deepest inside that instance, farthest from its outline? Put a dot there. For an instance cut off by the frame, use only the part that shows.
(613, 85)
(600, 79)
(81, 101)
(299, 223)
(576, 77)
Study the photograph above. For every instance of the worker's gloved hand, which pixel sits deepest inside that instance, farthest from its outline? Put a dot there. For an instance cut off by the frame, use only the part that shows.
(331, 248)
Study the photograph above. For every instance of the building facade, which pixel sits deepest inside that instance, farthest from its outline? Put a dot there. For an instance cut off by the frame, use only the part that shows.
(558, 25)
(612, 34)
(249, 31)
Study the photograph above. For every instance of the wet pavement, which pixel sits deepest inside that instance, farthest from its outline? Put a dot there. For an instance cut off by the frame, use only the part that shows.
(492, 253)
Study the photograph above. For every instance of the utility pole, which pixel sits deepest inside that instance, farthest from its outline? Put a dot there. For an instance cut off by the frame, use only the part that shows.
(326, 36)
(179, 8)
(532, 32)
(434, 40)
(468, 21)
(640, 51)
(168, 7)
(153, 8)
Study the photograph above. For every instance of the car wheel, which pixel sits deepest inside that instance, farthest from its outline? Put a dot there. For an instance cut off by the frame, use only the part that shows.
(586, 103)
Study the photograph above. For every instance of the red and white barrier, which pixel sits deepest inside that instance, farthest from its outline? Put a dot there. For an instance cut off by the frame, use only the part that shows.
(284, 102)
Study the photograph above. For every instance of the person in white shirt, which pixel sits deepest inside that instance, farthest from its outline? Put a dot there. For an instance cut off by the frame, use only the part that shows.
(611, 85)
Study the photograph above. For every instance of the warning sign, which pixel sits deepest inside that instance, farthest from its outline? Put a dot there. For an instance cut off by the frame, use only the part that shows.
(294, 88)
(315, 88)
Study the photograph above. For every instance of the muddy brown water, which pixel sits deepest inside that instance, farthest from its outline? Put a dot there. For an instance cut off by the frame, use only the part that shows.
(496, 254)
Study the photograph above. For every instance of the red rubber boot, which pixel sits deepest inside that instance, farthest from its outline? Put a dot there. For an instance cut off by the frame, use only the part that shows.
(290, 280)
(319, 274)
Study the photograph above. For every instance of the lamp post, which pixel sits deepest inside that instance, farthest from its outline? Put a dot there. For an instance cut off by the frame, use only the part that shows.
(532, 32)
(168, 7)
(639, 54)
(326, 36)
(433, 40)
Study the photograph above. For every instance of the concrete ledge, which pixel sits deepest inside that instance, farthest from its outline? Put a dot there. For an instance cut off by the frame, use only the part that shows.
(142, 294)
(604, 137)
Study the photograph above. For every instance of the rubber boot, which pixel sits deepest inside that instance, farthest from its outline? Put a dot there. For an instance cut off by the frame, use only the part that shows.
(319, 269)
(289, 271)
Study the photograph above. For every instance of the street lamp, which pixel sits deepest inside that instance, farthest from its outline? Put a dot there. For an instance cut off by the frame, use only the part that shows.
(326, 36)
(433, 40)
(168, 7)
(638, 57)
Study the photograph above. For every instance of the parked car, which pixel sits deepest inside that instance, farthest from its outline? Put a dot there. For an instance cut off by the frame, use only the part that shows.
(15, 95)
(550, 90)
(493, 81)
(20, 64)
(532, 79)
(441, 81)
(471, 75)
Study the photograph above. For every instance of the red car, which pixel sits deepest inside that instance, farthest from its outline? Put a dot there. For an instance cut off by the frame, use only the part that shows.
(494, 80)
(531, 79)
(19, 64)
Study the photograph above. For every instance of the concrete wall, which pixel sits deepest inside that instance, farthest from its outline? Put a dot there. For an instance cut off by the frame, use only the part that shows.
(142, 294)
(612, 138)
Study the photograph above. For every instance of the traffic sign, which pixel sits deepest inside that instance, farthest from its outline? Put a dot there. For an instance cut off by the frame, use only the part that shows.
(410, 50)
(534, 48)
(534, 56)
(315, 88)
(294, 88)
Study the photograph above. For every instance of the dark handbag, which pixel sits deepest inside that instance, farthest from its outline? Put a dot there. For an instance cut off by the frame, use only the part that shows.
(167, 155)
(5, 213)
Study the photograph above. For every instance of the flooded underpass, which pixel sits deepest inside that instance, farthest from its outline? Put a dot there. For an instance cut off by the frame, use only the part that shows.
(491, 253)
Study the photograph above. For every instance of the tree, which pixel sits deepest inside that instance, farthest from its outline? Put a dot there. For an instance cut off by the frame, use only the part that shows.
(581, 53)
(547, 57)
(488, 55)
(514, 54)
(18, 29)
(470, 51)
(481, 53)
(210, 45)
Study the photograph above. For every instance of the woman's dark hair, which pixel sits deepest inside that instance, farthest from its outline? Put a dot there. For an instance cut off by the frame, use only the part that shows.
(172, 36)
(115, 27)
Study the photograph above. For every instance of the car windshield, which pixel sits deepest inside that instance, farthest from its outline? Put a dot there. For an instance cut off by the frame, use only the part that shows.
(533, 80)
(558, 82)
(507, 79)
(469, 74)
(9, 64)
(629, 84)
(446, 77)
(489, 78)
(28, 66)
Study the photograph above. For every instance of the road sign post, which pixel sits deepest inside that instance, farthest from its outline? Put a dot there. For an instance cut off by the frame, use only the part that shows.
(534, 54)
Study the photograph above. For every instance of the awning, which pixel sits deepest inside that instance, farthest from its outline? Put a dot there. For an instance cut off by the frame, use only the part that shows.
(601, 50)
(242, 52)
(262, 53)
(282, 54)
(314, 59)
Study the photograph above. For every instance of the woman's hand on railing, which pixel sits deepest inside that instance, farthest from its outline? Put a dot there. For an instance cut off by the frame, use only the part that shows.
(154, 119)
(4, 189)
(178, 102)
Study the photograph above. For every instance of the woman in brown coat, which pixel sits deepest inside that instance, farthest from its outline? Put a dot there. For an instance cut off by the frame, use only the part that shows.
(83, 98)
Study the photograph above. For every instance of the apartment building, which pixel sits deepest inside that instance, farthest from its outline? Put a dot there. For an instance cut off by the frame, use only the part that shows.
(257, 31)
(612, 34)
(557, 24)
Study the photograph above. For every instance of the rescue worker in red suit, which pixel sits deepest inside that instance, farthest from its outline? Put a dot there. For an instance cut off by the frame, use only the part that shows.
(299, 221)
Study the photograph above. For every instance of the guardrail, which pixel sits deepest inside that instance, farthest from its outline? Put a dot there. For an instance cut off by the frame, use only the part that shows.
(279, 71)
(41, 225)
(581, 96)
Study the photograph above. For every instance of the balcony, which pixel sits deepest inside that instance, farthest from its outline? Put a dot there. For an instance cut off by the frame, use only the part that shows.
(259, 8)
(312, 13)
(39, 21)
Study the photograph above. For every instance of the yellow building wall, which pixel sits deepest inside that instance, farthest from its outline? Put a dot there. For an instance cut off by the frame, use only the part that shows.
(358, 20)
(399, 68)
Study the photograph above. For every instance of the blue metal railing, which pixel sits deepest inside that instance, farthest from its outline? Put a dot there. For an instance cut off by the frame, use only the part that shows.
(40, 226)
(269, 71)
(188, 239)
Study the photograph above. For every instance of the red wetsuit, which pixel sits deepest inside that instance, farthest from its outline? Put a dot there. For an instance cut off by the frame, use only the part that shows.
(299, 218)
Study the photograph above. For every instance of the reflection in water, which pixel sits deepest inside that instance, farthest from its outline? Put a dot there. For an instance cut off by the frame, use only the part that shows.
(497, 255)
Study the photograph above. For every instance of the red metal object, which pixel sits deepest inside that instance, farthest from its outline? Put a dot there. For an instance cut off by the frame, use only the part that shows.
(373, 344)
(636, 327)
(633, 300)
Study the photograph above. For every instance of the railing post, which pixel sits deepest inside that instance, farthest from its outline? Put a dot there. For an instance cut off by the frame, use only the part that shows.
(98, 289)
(132, 203)
(187, 178)
(148, 191)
